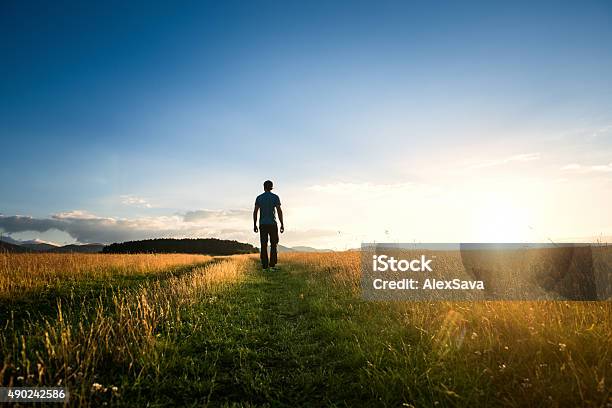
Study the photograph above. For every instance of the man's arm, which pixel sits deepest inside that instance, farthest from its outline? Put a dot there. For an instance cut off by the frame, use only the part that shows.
(255, 218)
(280, 217)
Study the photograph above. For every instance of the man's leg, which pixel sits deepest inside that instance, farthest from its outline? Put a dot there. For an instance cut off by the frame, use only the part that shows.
(273, 244)
(263, 240)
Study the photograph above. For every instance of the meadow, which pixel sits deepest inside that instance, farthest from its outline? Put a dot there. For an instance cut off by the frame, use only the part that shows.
(190, 330)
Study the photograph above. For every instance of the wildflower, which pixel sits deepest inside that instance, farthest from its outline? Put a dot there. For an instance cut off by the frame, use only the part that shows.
(96, 386)
(562, 346)
(601, 385)
(526, 383)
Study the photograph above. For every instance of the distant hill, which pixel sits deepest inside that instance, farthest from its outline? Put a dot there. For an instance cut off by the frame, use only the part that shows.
(282, 248)
(37, 245)
(6, 247)
(85, 248)
(208, 246)
(309, 249)
(13, 245)
(9, 240)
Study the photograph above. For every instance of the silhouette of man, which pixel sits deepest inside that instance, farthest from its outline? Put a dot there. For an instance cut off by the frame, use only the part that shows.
(267, 203)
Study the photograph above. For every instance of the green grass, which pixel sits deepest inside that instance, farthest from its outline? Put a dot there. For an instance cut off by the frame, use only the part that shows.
(292, 338)
(284, 339)
(273, 339)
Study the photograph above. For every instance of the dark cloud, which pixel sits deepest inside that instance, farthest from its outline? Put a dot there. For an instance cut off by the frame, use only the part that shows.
(88, 228)
(19, 223)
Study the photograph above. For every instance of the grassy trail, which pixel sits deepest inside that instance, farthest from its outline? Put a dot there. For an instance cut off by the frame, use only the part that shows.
(272, 339)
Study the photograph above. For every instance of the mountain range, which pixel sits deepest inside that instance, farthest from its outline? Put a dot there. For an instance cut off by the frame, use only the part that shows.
(282, 248)
(36, 245)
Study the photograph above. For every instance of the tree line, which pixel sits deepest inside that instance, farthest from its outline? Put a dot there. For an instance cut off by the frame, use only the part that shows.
(208, 246)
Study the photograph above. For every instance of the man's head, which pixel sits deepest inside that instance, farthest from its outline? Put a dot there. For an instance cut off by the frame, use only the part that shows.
(268, 185)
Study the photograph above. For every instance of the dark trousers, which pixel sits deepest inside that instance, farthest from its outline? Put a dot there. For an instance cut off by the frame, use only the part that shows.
(265, 231)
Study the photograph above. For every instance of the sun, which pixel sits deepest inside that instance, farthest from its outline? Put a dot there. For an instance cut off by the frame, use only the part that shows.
(501, 219)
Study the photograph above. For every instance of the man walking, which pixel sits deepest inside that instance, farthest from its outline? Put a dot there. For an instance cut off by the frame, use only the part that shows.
(267, 203)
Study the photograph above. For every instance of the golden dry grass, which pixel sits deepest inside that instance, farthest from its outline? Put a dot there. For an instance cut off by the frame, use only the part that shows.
(506, 353)
(70, 348)
(28, 272)
(546, 348)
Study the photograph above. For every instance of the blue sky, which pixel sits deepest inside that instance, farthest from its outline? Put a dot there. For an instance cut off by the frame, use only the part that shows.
(118, 119)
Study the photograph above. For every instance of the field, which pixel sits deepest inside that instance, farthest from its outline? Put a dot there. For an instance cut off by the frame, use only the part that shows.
(189, 330)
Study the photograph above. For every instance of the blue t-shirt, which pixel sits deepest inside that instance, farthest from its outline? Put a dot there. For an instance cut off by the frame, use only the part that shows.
(267, 201)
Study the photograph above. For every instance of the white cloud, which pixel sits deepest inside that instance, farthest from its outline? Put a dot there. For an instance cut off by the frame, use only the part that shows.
(602, 131)
(603, 168)
(75, 215)
(368, 188)
(135, 201)
(350, 188)
(571, 166)
(523, 157)
(597, 168)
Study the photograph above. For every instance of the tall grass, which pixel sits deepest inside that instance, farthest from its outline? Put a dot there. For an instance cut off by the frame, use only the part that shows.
(21, 273)
(72, 349)
(554, 352)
